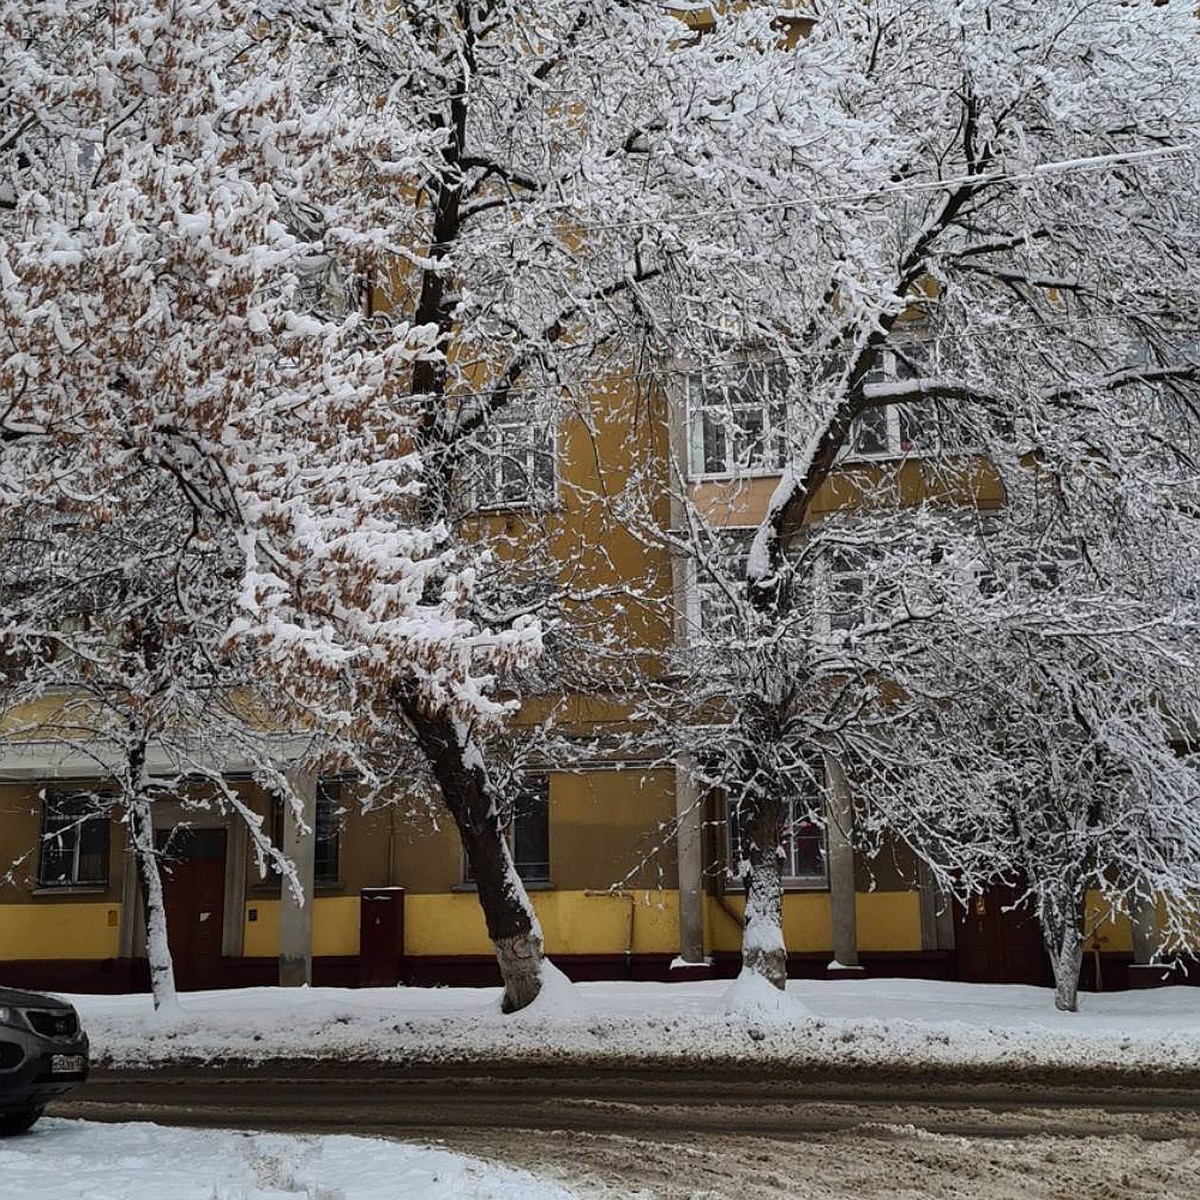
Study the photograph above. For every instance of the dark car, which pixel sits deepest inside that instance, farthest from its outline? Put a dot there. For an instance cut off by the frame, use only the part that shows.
(43, 1055)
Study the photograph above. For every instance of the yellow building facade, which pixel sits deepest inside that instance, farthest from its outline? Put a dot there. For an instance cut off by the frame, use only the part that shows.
(627, 870)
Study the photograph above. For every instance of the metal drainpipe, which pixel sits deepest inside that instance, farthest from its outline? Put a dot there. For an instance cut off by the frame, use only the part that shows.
(391, 847)
(724, 906)
(622, 895)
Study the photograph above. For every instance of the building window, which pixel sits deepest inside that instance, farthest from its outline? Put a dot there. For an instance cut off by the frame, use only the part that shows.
(737, 419)
(74, 842)
(801, 842)
(803, 847)
(856, 591)
(531, 829)
(717, 611)
(848, 586)
(528, 832)
(326, 857)
(894, 430)
(327, 827)
(513, 465)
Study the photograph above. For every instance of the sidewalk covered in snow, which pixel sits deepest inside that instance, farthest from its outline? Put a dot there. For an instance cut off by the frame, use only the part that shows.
(852, 1023)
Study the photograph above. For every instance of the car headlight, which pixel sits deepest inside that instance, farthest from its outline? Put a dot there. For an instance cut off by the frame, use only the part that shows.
(6, 1015)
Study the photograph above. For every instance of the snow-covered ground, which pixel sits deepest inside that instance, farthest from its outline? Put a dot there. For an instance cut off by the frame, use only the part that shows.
(851, 1022)
(80, 1160)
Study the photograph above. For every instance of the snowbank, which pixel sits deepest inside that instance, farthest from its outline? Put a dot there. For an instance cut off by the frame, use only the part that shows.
(843, 1023)
(79, 1160)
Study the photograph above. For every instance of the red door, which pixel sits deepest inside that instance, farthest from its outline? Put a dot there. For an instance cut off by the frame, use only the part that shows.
(998, 943)
(193, 872)
(380, 937)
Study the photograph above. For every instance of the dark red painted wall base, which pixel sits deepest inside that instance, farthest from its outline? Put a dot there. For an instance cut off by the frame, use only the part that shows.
(116, 975)
(112, 976)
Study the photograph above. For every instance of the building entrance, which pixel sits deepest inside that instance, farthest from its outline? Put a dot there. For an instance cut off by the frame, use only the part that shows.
(193, 875)
(1000, 943)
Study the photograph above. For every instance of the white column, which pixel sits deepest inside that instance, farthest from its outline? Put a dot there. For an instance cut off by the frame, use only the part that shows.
(1143, 921)
(295, 915)
(690, 855)
(233, 933)
(839, 856)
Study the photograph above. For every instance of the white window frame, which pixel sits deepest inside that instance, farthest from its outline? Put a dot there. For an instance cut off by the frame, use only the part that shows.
(727, 401)
(891, 366)
(700, 588)
(791, 877)
(828, 626)
(514, 437)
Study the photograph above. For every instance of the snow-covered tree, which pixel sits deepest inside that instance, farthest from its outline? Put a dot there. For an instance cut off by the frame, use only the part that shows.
(115, 607)
(522, 233)
(958, 239)
(192, 211)
(1069, 715)
(321, 263)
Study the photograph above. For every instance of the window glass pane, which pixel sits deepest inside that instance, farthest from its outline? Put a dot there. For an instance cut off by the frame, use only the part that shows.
(915, 424)
(869, 433)
(74, 845)
(512, 484)
(718, 608)
(847, 591)
(715, 458)
(328, 823)
(543, 467)
(531, 830)
(846, 603)
(58, 856)
(749, 438)
(804, 851)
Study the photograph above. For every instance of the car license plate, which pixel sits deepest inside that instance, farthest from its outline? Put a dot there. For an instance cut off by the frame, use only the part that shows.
(66, 1064)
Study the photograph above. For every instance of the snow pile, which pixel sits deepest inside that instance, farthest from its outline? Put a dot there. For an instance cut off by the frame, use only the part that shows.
(842, 1024)
(750, 995)
(557, 1001)
(78, 1160)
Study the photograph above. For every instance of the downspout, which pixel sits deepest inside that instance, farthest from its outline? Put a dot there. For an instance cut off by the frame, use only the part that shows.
(391, 847)
(724, 905)
(629, 919)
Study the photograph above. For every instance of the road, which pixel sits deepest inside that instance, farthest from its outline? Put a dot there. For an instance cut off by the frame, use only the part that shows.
(675, 1135)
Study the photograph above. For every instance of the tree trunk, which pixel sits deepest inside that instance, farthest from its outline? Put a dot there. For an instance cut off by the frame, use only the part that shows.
(511, 923)
(158, 950)
(763, 950)
(1066, 957)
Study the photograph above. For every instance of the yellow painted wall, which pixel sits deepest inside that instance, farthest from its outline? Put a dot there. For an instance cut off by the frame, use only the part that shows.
(1113, 933)
(335, 927)
(886, 921)
(604, 830)
(744, 501)
(59, 931)
(573, 923)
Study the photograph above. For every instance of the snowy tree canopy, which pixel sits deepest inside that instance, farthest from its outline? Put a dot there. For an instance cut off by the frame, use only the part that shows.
(957, 247)
(183, 205)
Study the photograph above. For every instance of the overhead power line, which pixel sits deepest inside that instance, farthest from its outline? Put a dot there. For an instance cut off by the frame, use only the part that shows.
(1065, 166)
(938, 339)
